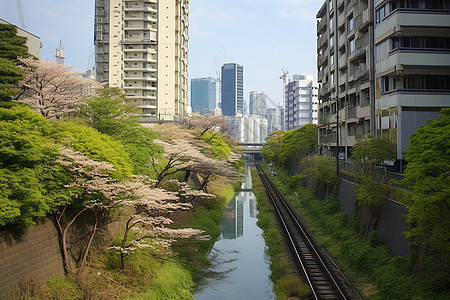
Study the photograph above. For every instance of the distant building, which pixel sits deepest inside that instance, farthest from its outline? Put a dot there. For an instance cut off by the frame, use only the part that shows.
(232, 89)
(141, 46)
(33, 41)
(274, 120)
(257, 103)
(301, 102)
(203, 95)
(250, 129)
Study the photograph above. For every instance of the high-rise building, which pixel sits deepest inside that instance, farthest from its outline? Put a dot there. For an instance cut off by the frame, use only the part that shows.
(273, 117)
(345, 72)
(383, 66)
(250, 129)
(412, 64)
(141, 47)
(232, 89)
(257, 103)
(301, 101)
(203, 95)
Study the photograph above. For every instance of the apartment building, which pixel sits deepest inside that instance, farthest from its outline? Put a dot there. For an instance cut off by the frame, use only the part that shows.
(412, 64)
(141, 47)
(33, 41)
(345, 74)
(301, 101)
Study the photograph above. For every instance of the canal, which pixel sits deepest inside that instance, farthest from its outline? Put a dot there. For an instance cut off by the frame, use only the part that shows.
(239, 265)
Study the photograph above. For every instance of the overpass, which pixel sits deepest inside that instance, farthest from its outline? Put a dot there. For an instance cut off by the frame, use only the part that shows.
(251, 151)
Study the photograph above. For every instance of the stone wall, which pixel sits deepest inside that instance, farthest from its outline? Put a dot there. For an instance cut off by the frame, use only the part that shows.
(33, 256)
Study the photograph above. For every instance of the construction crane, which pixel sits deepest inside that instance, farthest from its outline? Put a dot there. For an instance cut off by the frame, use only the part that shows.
(218, 80)
(19, 8)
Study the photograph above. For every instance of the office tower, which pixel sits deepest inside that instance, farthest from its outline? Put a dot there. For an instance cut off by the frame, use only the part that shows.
(257, 103)
(273, 117)
(300, 94)
(345, 71)
(232, 89)
(412, 64)
(142, 47)
(203, 95)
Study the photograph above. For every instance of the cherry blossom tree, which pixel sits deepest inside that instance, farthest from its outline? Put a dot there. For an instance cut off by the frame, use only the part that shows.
(152, 209)
(95, 191)
(53, 89)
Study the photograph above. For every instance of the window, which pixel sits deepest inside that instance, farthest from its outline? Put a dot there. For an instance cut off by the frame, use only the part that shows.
(332, 78)
(331, 5)
(380, 14)
(332, 59)
(350, 24)
(331, 42)
(352, 45)
(331, 22)
(384, 84)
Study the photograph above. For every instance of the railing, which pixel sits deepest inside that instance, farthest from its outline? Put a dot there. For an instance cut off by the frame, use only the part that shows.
(362, 42)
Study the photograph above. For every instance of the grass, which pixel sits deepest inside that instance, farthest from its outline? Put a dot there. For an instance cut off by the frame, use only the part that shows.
(377, 273)
(286, 284)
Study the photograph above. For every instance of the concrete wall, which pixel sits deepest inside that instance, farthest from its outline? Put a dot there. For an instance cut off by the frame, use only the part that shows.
(391, 222)
(35, 255)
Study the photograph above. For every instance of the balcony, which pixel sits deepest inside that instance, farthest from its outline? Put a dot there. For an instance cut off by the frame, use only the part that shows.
(343, 79)
(342, 61)
(411, 18)
(351, 112)
(140, 78)
(361, 71)
(341, 20)
(322, 24)
(342, 39)
(413, 58)
(362, 41)
(322, 59)
(322, 41)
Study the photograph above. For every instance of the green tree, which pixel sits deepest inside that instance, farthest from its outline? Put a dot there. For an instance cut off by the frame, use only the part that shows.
(368, 153)
(272, 148)
(31, 181)
(297, 144)
(106, 113)
(11, 47)
(427, 174)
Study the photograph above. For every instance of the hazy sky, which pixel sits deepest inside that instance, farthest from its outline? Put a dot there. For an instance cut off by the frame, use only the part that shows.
(264, 36)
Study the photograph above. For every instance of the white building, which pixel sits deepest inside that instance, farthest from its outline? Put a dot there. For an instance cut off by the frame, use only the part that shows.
(257, 103)
(142, 48)
(301, 102)
(249, 129)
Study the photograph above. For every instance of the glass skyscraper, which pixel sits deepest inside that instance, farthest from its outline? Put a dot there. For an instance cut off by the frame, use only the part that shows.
(203, 95)
(232, 89)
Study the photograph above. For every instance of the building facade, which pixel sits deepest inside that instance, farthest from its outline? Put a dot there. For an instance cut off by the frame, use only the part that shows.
(251, 129)
(141, 46)
(257, 103)
(301, 102)
(203, 95)
(33, 41)
(232, 90)
(383, 67)
(412, 64)
(274, 119)
(345, 68)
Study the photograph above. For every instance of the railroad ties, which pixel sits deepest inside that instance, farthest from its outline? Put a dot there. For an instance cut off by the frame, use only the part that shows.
(323, 276)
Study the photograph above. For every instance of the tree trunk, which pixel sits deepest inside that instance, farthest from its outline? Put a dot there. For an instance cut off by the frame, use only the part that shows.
(88, 246)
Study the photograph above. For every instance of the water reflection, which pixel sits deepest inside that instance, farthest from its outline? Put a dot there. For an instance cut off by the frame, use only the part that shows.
(239, 266)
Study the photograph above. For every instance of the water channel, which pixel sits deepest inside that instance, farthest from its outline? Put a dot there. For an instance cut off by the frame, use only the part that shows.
(239, 265)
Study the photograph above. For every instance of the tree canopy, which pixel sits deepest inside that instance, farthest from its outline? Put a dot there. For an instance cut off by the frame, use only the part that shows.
(427, 174)
(11, 47)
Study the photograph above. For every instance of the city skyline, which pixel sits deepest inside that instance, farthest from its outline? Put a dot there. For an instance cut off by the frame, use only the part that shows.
(232, 31)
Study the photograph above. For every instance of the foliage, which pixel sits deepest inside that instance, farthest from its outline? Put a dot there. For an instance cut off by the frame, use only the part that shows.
(370, 190)
(320, 168)
(271, 150)
(53, 89)
(106, 113)
(220, 148)
(359, 257)
(427, 174)
(97, 146)
(31, 181)
(11, 46)
(296, 145)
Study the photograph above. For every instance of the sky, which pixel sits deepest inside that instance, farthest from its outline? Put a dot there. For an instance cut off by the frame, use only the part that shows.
(265, 36)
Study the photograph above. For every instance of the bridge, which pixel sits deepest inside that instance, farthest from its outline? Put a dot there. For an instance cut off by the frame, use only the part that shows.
(251, 151)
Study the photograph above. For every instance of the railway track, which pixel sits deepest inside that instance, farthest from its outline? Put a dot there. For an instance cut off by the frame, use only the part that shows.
(321, 273)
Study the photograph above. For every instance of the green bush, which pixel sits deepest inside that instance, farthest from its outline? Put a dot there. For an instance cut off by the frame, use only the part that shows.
(220, 148)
